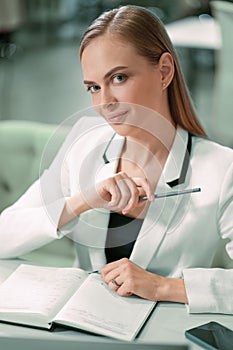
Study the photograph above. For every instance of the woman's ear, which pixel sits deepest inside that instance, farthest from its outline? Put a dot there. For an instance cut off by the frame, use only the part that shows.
(166, 68)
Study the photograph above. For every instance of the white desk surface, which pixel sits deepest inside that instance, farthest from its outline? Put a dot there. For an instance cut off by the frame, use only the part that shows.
(167, 323)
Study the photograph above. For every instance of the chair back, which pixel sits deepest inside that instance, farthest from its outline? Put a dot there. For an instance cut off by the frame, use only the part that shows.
(22, 145)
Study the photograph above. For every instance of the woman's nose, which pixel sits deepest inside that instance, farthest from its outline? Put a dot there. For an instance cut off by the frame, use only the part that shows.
(108, 99)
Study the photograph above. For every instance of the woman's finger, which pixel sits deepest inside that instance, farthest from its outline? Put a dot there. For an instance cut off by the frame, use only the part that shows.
(132, 199)
(145, 185)
(114, 284)
(124, 188)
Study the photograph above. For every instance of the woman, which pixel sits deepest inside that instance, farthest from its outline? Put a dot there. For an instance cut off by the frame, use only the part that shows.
(100, 188)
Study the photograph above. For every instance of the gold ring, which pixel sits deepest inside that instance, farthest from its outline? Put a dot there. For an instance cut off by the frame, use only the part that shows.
(115, 283)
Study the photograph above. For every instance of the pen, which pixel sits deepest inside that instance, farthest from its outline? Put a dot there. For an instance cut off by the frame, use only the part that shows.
(95, 271)
(171, 193)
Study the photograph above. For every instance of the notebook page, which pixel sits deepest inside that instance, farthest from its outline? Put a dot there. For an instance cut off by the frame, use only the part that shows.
(38, 290)
(94, 307)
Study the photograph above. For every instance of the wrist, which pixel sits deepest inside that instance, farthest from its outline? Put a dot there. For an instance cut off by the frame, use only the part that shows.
(77, 205)
(74, 206)
(171, 289)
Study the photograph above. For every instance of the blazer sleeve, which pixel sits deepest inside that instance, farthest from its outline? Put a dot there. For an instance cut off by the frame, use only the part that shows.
(32, 220)
(211, 290)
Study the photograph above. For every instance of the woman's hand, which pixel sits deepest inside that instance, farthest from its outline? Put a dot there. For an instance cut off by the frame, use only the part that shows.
(126, 279)
(118, 193)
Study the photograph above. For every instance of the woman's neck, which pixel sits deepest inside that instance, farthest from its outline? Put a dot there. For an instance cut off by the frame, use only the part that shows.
(144, 147)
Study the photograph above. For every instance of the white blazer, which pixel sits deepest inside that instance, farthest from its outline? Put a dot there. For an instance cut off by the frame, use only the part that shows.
(179, 236)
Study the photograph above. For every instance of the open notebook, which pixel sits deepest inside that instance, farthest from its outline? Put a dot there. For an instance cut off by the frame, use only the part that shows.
(39, 296)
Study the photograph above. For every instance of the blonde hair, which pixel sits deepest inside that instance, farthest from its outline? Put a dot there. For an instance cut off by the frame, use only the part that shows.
(148, 35)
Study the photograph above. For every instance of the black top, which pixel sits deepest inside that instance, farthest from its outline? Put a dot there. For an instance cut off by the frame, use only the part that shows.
(121, 236)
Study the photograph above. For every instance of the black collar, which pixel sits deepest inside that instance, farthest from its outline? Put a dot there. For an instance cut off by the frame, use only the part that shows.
(185, 165)
(106, 161)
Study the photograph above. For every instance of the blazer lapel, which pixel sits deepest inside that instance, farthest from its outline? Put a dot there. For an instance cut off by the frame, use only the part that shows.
(110, 157)
(161, 211)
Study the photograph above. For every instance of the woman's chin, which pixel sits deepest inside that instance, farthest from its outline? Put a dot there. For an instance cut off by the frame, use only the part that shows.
(123, 129)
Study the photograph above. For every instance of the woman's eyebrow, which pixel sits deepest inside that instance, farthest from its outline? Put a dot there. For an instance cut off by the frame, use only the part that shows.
(107, 75)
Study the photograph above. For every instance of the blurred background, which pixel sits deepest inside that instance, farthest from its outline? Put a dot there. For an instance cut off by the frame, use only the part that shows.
(40, 74)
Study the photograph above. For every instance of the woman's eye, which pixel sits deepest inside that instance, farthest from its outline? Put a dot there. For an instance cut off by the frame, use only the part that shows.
(119, 78)
(93, 88)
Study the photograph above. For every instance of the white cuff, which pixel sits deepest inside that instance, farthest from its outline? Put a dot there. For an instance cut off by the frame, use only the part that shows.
(209, 290)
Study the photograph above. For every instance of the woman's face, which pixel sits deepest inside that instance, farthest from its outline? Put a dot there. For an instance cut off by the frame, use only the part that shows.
(116, 76)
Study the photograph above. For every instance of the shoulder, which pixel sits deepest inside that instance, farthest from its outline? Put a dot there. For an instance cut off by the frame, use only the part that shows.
(212, 152)
(212, 167)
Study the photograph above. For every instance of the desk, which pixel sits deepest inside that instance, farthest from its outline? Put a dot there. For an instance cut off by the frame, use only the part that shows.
(165, 326)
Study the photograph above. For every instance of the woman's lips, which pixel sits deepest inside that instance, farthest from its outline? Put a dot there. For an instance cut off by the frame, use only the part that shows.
(116, 118)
